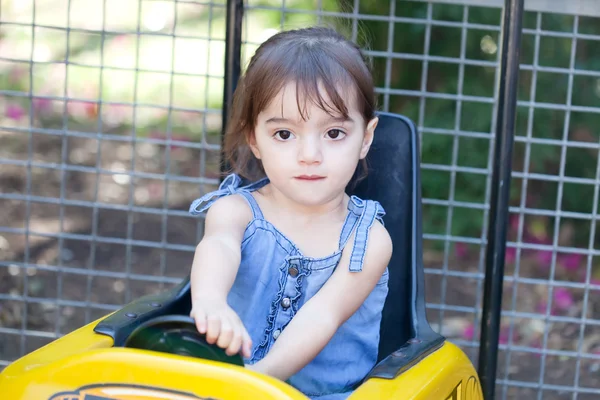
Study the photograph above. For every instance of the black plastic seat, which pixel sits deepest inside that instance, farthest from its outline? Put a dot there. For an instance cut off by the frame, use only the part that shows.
(394, 181)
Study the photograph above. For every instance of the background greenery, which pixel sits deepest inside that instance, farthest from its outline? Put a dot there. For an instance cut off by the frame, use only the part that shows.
(179, 55)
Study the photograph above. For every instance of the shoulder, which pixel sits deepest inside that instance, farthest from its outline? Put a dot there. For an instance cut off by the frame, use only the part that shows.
(229, 210)
(379, 249)
(379, 239)
(370, 257)
(379, 242)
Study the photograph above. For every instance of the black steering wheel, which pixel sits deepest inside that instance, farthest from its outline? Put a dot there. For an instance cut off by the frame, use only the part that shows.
(177, 334)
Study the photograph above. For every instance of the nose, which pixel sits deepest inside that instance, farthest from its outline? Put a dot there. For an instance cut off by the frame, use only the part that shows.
(310, 151)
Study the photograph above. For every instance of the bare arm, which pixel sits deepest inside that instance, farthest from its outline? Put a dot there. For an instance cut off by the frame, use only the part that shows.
(318, 320)
(216, 262)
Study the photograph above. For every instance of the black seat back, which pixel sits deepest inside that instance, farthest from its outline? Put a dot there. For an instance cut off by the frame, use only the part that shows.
(394, 181)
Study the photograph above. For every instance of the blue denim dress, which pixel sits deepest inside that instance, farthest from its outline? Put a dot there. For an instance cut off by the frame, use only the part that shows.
(275, 279)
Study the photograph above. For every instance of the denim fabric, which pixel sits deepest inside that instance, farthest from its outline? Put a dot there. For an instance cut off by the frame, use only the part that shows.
(275, 279)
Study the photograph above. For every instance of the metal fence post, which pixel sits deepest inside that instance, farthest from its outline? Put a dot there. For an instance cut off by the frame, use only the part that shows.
(499, 203)
(233, 50)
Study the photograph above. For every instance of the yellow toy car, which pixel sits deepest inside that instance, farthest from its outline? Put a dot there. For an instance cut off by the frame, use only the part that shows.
(150, 349)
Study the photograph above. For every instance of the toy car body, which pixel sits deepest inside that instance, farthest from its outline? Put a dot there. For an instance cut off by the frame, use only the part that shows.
(100, 361)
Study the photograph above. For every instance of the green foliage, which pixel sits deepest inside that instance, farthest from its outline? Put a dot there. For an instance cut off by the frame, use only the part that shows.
(181, 72)
(477, 116)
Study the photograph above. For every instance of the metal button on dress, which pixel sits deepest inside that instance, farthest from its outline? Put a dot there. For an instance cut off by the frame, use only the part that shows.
(276, 334)
(293, 271)
(286, 302)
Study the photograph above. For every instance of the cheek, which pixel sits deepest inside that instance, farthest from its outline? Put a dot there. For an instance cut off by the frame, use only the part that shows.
(273, 154)
(343, 159)
(350, 149)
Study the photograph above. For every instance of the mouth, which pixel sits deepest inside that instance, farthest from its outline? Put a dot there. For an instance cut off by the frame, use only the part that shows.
(310, 177)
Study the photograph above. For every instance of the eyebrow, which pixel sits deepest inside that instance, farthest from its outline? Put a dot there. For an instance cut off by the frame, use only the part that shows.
(278, 120)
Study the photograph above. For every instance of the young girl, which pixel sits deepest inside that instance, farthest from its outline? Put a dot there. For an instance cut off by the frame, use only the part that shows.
(291, 271)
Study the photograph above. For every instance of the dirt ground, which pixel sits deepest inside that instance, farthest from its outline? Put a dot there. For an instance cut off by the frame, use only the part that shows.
(78, 256)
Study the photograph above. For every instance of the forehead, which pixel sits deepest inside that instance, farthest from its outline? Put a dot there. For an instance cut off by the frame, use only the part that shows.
(300, 103)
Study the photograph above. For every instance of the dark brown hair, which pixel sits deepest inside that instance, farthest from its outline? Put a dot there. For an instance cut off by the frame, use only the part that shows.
(309, 57)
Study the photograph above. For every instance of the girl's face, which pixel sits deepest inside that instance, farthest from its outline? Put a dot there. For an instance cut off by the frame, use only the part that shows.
(311, 161)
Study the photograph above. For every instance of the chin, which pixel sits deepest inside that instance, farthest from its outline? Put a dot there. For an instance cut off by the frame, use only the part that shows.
(312, 197)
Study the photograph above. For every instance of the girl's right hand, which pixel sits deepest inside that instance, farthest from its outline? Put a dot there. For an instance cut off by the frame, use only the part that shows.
(221, 325)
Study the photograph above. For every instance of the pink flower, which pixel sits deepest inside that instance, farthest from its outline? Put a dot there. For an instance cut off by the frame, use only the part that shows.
(570, 262)
(155, 190)
(514, 222)
(91, 110)
(83, 109)
(17, 74)
(14, 111)
(544, 257)
(122, 40)
(503, 338)
(461, 250)
(537, 343)
(469, 332)
(542, 306)
(563, 298)
(510, 256)
(179, 138)
(42, 105)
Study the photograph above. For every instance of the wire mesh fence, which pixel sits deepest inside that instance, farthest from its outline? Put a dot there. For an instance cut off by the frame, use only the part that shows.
(111, 126)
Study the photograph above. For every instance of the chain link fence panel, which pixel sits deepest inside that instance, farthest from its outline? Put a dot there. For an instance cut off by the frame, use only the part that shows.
(111, 126)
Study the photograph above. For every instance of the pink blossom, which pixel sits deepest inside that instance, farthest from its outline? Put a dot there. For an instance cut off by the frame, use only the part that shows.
(469, 332)
(116, 114)
(542, 307)
(91, 109)
(122, 40)
(14, 111)
(505, 334)
(514, 222)
(538, 345)
(179, 138)
(42, 105)
(563, 298)
(76, 108)
(570, 262)
(510, 256)
(155, 190)
(83, 109)
(503, 338)
(544, 257)
(17, 74)
(461, 250)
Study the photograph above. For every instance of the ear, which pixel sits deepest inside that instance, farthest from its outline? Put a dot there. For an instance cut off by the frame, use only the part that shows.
(368, 138)
(253, 146)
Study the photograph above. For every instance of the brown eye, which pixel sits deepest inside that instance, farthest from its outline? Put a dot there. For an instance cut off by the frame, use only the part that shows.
(335, 134)
(283, 135)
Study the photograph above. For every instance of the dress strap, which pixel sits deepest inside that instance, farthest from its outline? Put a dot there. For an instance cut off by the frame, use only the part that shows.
(252, 203)
(230, 185)
(363, 215)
